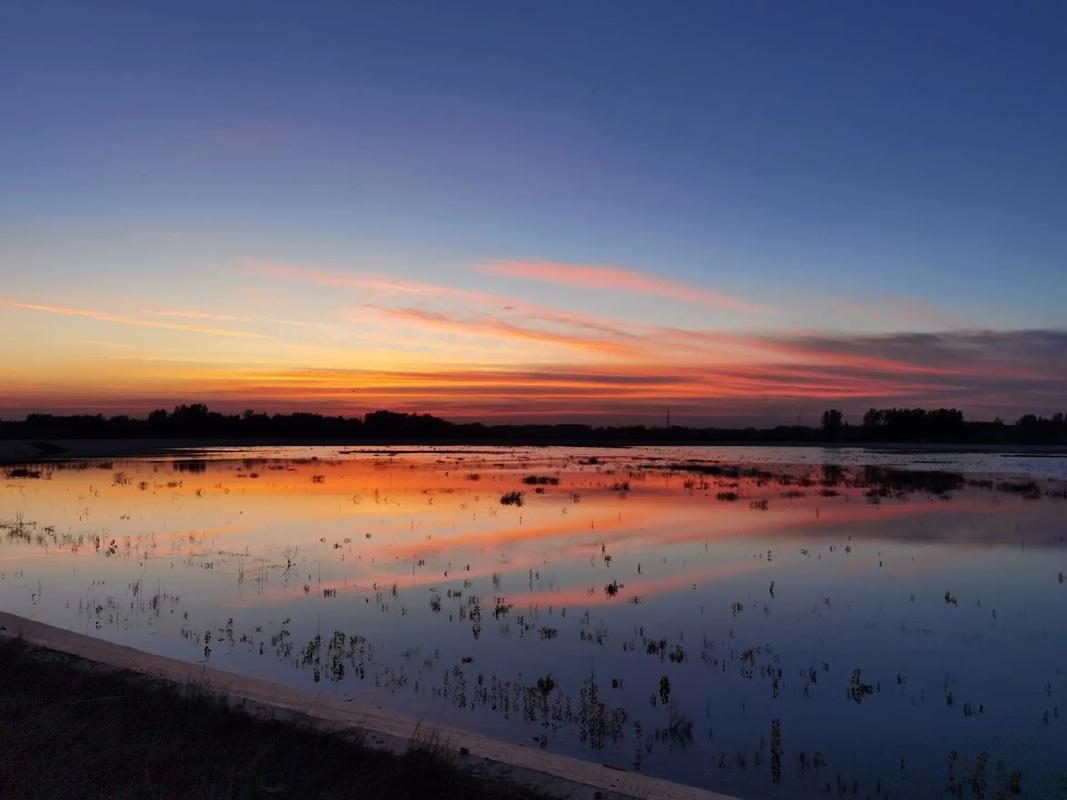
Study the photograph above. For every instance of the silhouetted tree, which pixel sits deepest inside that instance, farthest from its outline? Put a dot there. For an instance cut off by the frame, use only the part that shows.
(197, 420)
(831, 424)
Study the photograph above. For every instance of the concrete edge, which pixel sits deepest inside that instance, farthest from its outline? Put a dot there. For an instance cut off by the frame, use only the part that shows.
(551, 772)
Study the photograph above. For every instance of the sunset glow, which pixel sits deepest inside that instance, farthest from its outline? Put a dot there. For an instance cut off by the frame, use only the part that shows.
(525, 399)
(370, 225)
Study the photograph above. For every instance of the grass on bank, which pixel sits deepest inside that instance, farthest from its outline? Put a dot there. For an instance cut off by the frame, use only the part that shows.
(70, 731)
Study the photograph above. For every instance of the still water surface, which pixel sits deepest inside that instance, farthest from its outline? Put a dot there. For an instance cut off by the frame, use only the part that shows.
(769, 622)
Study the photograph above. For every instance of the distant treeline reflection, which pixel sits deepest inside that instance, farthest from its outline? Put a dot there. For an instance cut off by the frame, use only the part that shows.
(197, 421)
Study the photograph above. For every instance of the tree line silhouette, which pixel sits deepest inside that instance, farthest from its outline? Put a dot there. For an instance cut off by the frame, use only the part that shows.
(908, 425)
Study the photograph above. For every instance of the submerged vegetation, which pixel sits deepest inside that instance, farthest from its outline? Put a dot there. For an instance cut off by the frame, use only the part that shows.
(686, 613)
(511, 499)
(69, 730)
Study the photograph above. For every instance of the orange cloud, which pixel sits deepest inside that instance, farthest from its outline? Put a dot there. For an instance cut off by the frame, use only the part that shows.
(104, 316)
(382, 285)
(379, 284)
(189, 314)
(513, 358)
(249, 318)
(617, 279)
(485, 325)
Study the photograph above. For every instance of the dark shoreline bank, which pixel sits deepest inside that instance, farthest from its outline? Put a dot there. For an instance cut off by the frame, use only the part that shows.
(888, 427)
(124, 735)
(138, 725)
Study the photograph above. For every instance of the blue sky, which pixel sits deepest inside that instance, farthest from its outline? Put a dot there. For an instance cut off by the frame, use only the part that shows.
(863, 169)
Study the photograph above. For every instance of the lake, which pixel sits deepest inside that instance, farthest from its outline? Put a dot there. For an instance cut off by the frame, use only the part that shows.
(763, 621)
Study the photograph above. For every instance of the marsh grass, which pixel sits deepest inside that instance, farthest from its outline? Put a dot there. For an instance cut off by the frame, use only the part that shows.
(511, 499)
(69, 730)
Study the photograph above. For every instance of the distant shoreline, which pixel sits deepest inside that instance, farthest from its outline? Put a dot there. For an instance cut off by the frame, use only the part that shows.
(886, 427)
(23, 451)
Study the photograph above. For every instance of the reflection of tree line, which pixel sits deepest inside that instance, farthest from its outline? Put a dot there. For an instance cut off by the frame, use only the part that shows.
(878, 481)
(887, 481)
(878, 425)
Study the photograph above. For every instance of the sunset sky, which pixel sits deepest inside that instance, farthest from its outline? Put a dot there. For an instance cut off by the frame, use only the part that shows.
(743, 213)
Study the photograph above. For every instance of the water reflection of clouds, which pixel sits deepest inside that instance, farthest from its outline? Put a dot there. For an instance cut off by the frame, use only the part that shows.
(637, 564)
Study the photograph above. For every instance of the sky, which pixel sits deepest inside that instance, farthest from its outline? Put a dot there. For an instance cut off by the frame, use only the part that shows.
(735, 213)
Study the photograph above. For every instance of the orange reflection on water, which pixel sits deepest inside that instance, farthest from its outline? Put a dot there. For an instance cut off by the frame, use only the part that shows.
(421, 519)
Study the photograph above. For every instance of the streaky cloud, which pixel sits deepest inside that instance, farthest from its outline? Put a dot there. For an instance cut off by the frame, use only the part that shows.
(491, 326)
(617, 279)
(119, 319)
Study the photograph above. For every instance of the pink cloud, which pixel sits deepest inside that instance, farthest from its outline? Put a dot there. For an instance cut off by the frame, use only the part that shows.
(370, 282)
(488, 326)
(617, 279)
